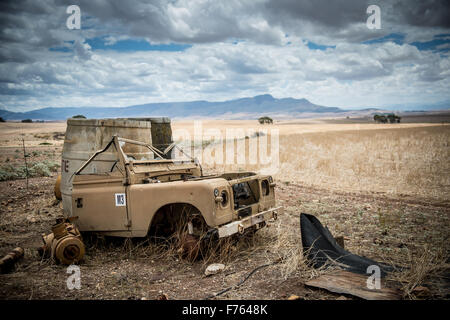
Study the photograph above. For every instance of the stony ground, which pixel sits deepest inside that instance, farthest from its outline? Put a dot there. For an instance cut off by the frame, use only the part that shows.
(406, 231)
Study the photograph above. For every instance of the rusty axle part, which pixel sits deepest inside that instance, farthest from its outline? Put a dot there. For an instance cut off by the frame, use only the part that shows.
(8, 261)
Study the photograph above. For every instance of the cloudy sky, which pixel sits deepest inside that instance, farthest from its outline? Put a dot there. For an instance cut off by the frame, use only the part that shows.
(135, 52)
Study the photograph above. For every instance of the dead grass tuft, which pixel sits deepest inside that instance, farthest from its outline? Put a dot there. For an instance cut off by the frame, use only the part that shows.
(428, 269)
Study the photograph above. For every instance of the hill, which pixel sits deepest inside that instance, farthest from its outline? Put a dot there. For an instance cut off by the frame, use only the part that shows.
(244, 108)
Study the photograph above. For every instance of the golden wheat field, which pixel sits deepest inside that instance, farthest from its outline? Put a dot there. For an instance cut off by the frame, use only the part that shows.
(409, 159)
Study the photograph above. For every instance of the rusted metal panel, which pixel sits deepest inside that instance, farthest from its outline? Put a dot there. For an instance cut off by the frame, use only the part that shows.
(8, 261)
(86, 136)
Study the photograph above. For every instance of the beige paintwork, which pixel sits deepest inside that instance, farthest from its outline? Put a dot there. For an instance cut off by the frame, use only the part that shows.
(150, 185)
(85, 136)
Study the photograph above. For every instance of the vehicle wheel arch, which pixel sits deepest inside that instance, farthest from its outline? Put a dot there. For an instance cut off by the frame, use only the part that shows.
(159, 215)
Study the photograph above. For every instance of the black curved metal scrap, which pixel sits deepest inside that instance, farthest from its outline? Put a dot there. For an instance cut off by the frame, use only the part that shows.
(321, 249)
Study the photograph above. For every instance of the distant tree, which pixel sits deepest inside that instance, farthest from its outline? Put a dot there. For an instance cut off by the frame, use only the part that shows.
(27, 121)
(385, 118)
(2, 120)
(264, 120)
(393, 118)
(79, 116)
(380, 118)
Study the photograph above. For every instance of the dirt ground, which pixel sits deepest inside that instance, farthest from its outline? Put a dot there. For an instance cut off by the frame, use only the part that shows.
(406, 229)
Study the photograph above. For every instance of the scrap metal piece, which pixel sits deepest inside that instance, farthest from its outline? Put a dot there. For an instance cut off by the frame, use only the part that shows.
(57, 189)
(8, 261)
(345, 282)
(190, 247)
(320, 247)
(64, 244)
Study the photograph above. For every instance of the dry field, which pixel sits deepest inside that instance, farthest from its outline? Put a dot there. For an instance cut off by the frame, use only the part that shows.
(385, 188)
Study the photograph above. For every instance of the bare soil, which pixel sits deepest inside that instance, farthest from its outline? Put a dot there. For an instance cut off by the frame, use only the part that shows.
(403, 227)
(121, 270)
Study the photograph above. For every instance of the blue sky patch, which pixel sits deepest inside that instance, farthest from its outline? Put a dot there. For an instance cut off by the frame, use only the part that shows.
(397, 38)
(440, 43)
(315, 46)
(134, 45)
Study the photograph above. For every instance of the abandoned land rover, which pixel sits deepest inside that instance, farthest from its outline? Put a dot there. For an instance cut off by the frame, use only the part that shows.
(161, 196)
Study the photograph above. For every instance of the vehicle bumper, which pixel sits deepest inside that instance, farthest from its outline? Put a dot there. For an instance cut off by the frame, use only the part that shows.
(256, 219)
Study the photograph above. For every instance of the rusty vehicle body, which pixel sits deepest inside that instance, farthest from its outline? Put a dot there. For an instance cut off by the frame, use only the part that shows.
(135, 198)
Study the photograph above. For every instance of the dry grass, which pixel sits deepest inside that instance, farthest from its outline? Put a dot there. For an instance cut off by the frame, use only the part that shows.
(429, 266)
(385, 190)
(410, 161)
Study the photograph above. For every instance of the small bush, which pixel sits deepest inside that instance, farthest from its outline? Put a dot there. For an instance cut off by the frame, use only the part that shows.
(2, 120)
(36, 169)
(79, 116)
(45, 144)
(27, 121)
(264, 120)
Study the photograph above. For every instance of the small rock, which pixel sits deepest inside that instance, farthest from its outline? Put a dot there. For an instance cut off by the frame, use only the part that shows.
(421, 291)
(118, 276)
(377, 241)
(162, 296)
(341, 298)
(214, 269)
(294, 297)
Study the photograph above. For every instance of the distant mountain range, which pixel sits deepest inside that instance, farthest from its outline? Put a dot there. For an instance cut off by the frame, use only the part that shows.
(232, 109)
(244, 108)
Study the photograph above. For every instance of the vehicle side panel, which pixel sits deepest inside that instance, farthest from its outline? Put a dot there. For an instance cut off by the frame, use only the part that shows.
(146, 199)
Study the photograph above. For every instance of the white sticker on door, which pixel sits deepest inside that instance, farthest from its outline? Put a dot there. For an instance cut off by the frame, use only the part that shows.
(120, 200)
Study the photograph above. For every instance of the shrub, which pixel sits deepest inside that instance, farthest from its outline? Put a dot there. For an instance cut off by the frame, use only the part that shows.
(385, 118)
(79, 116)
(27, 121)
(36, 169)
(264, 120)
(380, 118)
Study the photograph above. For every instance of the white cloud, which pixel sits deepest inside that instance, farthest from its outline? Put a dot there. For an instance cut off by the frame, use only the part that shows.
(270, 54)
(349, 76)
